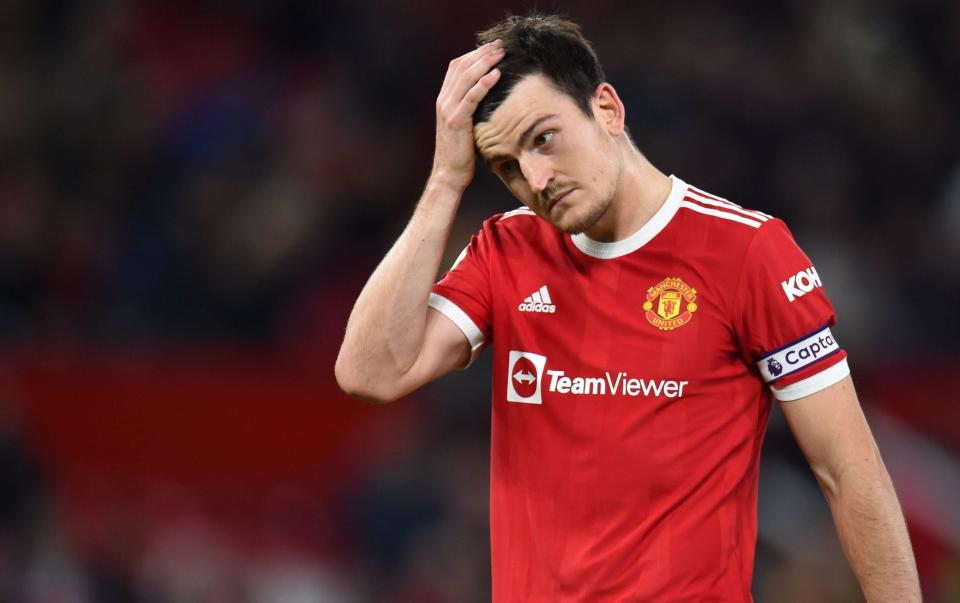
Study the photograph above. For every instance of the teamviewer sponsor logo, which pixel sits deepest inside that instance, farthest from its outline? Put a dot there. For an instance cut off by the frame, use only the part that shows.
(525, 382)
(524, 377)
(619, 384)
(801, 283)
(797, 355)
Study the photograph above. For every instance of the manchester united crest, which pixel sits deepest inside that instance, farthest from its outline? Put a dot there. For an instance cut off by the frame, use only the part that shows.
(670, 304)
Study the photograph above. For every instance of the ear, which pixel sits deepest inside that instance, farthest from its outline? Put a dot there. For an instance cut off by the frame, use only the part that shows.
(608, 109)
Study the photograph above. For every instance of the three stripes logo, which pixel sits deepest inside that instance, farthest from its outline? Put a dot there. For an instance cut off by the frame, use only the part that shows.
(539, 301)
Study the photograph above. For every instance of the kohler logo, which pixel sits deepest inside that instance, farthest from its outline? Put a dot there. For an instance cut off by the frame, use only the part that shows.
(801, 283)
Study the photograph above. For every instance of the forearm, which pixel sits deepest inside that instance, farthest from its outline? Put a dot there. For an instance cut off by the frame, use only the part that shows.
(872, 531)
(386, 328)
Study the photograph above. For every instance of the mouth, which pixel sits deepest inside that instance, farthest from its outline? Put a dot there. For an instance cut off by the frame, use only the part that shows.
(557, 199)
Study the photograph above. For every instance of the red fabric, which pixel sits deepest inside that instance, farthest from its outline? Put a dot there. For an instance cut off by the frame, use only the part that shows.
(765, 317)
(619, 497)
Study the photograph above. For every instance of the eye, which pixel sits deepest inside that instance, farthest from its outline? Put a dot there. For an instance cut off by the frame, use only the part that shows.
(509, 166)
(543, 138)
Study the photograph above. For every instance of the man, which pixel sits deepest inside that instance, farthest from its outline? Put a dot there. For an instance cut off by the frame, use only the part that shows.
(640, 328)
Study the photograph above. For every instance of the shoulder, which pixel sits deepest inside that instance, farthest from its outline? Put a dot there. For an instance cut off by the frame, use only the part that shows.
(519, 225)
(726, 225)
(522, 211)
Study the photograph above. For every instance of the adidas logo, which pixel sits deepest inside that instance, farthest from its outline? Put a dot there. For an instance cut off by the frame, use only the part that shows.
(538, 302)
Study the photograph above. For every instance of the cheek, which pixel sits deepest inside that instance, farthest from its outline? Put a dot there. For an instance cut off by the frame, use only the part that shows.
(596, 168)
(599, 172)
(520, 190)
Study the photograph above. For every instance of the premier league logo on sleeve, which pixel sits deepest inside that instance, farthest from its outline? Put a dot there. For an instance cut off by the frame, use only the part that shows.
(774, 367)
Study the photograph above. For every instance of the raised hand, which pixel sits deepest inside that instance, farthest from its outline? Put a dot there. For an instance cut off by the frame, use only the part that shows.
(468, 80)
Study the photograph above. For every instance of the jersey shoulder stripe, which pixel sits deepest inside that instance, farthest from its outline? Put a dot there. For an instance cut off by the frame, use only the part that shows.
(704, 199)
(702, 193)
(693, 189)
(719, 213)
(520, 211)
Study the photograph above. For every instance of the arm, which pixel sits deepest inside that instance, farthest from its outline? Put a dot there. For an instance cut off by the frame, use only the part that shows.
(833, 434)
(394, 343)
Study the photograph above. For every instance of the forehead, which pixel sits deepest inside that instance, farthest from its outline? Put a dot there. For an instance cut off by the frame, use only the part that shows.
(532, 97)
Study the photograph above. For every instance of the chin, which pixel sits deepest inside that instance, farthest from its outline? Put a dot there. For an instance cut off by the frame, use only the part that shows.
(574, 222)
(574, 227)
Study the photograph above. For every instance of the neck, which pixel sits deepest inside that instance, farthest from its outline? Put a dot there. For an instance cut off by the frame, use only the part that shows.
(640, 192)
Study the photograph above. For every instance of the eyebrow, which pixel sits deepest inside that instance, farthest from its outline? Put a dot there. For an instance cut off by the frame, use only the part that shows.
(524, 137)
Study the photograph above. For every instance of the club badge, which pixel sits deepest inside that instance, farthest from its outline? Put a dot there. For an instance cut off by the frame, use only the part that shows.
(670, 304)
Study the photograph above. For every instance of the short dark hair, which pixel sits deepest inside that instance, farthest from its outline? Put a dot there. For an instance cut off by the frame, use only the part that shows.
(551, 45)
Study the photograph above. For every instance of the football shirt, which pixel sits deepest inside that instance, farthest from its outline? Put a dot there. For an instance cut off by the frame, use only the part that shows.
(631, 389)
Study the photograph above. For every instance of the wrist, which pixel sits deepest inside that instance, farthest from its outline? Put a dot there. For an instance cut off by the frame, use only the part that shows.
(444, 180)
(440, 195)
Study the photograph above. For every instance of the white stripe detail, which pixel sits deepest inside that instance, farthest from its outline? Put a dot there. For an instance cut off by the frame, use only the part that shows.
(694, 189)
(529, 300)
(545, 295)
(459, 259)
(798, 355)
(536, 297)
(812, 384)
(460, 318)
(520, 211)
(726, 204)
(643, 235)
(719, 214)
(699, 192)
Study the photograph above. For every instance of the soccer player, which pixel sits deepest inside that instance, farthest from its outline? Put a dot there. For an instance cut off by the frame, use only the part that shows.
(641, 328)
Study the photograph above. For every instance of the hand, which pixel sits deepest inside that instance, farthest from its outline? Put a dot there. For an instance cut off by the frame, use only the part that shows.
(468, 80)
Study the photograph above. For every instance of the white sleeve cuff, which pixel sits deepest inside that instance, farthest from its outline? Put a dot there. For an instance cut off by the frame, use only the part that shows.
(460, 318)
(812, 384)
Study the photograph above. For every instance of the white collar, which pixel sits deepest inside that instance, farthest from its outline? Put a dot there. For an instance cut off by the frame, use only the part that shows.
(653, 226)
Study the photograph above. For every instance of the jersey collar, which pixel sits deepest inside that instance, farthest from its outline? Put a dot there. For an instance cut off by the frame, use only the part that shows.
(653, 226)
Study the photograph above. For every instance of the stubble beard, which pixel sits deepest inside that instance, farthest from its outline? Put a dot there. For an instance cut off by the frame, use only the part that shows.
(596, 211)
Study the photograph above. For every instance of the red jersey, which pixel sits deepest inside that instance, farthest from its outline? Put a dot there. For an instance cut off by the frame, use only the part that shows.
(631, 389)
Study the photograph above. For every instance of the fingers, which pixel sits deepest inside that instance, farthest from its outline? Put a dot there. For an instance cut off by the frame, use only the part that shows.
(465, 71)
(478, 69)
(468, 79)
(476, 93)
(469, 58)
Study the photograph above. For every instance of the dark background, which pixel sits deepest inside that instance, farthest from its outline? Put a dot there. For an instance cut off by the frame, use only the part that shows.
(192, 194)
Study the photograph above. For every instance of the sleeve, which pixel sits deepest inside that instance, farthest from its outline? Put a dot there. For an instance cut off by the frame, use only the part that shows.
(783, 317)
(463, 294)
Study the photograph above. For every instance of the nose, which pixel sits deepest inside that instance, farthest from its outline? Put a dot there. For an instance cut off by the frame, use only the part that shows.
(537, 171)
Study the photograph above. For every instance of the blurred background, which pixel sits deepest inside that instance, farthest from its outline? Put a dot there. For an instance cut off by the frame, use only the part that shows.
(193, 194)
